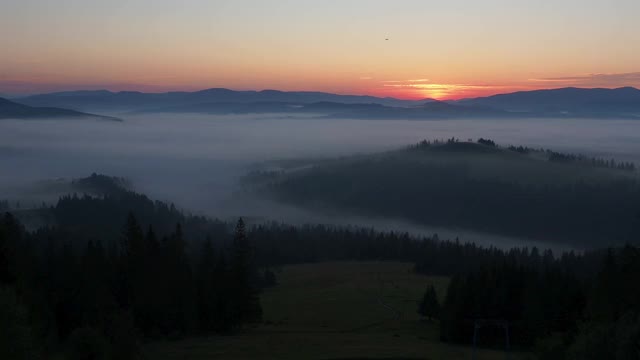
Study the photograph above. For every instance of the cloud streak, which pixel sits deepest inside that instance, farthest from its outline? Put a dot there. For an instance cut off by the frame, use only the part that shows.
(592, 80)
(426, 88)
(444, 90)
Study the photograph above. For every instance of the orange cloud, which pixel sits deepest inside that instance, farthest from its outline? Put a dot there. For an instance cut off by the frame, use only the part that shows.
(593, 80)
(423, 88)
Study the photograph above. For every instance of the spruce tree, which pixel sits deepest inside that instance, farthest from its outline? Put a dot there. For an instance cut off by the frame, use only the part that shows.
(180, 285)
(206, 288)
(429, 306)
(223, 313)
(245, 300)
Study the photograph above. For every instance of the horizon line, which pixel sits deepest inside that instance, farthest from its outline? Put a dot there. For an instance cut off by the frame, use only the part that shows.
(106, 89)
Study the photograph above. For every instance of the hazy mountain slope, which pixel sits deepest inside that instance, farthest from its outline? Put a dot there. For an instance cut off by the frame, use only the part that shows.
(123, 101)
(478, 187)
(13, 110)
(566, 100)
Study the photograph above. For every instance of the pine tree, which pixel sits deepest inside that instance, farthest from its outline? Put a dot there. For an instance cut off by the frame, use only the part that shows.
(429, 306)
(603, 306)
(269, 279)
(223, 316)
(95, 293)
(5, 271)
(16, 334)
(245, 300)
(148, 286)
(206, 288)
(130, 261)
(10, 242)
(133, 241)
(181, 291)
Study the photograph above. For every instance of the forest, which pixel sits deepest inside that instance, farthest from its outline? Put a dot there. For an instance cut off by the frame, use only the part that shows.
(479, 186)
(108, 273)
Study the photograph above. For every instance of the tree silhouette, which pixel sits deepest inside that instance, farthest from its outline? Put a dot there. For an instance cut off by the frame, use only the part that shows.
(245, 298)
(429, 306)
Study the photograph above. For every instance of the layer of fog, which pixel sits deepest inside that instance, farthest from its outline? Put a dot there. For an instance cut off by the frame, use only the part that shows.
(195, 161)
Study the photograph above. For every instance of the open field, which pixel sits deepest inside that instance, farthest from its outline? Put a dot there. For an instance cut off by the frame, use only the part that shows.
(335, 311)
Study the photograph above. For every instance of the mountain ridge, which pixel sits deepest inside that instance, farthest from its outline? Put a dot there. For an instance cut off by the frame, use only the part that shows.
(13, 110)
(84, 100)
(576, 102)
(567, 99)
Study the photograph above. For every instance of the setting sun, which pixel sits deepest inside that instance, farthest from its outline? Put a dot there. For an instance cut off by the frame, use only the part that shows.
(332, 46)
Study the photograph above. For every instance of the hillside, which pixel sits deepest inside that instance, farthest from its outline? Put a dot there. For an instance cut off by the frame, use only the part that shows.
(475, 186)
(338, 110)
(14, 110)
(566, 101)
(136, 101)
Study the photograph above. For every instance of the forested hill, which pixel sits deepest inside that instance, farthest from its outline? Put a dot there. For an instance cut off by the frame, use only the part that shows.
(116, 268)
(515, 191)
(14, 110)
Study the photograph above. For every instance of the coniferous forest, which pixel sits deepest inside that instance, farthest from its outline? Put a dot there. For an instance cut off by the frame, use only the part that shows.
(111, 273)
(478, 186)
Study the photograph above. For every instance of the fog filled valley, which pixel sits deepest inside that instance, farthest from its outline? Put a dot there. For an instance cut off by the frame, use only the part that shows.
(198, 161)
(154, 235)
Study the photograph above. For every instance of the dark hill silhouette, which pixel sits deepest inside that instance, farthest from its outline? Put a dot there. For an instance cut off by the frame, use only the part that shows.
(464, 147)
(429, 110)
(13, 110)
(477, 186)
(435, 109)
(566, 102)
(223, 108)
(576, 101)
(129, 101)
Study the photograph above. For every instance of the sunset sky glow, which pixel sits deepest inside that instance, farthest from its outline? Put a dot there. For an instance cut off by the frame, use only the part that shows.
(435, 49)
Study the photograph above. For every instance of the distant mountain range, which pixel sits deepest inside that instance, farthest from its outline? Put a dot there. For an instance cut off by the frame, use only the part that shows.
(13, 110)
(103, 100)
(427, 110)
(566, 102)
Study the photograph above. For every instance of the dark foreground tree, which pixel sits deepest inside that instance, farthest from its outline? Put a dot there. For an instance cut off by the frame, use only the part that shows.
(244, 286)
(611, 329)
(429, 306)
(15, 331)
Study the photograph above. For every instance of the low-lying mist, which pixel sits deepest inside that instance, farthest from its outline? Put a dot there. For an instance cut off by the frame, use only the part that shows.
(195, 161)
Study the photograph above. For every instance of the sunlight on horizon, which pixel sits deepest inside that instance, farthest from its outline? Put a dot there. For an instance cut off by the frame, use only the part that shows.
(344, 47)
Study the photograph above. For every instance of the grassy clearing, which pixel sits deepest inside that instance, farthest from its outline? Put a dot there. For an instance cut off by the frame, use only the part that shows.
(335, 311)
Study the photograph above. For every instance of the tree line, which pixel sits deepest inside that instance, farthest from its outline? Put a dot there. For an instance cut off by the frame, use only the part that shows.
(448, 194)
(87, 284)
(98, 300)
(548, 309)
(551, 156)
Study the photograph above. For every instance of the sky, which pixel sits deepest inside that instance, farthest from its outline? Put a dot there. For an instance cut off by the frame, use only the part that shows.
(401, 48)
